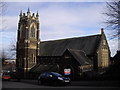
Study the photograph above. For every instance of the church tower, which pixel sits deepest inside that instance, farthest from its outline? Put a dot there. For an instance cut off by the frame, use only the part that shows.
(103, 53)
(27, 41)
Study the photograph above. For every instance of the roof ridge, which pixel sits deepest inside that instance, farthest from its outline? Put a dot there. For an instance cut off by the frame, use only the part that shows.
(71, 38)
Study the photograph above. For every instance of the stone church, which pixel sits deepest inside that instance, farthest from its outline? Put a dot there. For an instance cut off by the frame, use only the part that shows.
(77, 55)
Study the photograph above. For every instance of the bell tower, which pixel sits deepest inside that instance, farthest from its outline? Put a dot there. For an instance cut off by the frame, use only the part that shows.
(27, 41)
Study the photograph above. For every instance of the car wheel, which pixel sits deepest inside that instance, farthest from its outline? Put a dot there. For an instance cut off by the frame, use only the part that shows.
(41, 83)
(38, 82)
(55, 83)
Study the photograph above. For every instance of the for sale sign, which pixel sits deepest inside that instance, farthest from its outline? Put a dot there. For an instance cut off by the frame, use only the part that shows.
(67, 71)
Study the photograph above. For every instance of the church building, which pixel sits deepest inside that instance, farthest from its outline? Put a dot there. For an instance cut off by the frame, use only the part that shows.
(72, 56)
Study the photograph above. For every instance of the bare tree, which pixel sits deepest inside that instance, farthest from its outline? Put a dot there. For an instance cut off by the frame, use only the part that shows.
(2, 5)
(113, 18)
(3, 56)
(13, 49)
(11, 52)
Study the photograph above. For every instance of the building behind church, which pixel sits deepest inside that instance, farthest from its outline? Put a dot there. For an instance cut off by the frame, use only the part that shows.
(76, 55)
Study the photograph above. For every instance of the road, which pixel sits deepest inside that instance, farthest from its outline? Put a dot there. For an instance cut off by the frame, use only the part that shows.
(83, 85)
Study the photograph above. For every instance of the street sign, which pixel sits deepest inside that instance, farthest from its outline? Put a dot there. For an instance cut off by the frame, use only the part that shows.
(67, 71)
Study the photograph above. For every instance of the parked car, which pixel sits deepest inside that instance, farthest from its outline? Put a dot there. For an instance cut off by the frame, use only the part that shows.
(53, 78)
(6, 76)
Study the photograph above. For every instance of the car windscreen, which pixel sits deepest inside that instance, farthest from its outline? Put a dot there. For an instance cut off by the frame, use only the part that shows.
(6, 74)
(43, 74)
(57, 74)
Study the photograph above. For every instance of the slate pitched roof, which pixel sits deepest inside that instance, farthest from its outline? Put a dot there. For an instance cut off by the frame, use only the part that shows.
(80, 56)
(88, 44)
(40, 68)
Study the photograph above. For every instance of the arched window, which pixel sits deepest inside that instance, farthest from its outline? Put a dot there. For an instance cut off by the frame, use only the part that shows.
(22, 31)
(32, 32)
(33, 59)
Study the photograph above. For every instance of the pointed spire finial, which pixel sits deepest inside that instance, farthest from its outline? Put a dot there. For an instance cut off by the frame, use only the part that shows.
(28, 13)
(37, 15)
(21, 13)
(102, 30)
(28, 10)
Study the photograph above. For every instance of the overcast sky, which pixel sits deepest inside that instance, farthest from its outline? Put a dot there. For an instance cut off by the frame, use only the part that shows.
(58, 20)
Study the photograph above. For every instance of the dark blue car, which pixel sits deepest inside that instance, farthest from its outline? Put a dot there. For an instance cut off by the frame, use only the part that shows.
(53, 78)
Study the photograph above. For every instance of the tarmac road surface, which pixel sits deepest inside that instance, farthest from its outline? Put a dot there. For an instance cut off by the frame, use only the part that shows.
(78, 85)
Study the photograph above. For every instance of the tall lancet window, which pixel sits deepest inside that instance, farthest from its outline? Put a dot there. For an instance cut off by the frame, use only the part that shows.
(32, 32)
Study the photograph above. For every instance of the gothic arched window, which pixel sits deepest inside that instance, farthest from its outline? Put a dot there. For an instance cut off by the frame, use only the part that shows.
(32, 32)
(23, 32)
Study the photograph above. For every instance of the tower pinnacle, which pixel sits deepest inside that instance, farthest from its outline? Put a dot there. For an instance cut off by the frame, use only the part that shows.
(20, 13)
(37, 14)
(102, 30)
(28, 10)
(28, 13)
